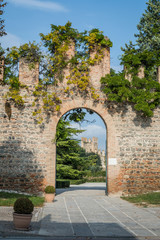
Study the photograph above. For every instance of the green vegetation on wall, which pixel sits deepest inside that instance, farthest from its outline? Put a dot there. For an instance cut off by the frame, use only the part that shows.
(53, 60)
(143, 93)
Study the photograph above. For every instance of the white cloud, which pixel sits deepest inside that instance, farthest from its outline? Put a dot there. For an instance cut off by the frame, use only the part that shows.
(44, 5)
(10, 40)
(90, 130)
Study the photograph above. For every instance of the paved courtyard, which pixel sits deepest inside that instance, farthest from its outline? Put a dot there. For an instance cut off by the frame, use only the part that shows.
(85, 211)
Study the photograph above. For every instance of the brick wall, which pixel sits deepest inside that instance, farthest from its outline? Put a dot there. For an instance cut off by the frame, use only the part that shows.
(28, 154)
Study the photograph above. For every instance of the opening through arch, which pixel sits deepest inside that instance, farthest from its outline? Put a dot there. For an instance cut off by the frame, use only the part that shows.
(81, 155)
(114, 174)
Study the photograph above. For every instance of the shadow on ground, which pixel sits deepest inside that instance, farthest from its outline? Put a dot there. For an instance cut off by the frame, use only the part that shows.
(62, 229)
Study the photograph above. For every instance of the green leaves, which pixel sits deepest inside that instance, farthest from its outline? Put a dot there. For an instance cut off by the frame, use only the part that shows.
(148, 37)
(31, 51)
(14, 83)
(116, 88)
(53, 62)
(143, 93)
(72, 160)
(58, 42)
(147, 51)
(97, 37)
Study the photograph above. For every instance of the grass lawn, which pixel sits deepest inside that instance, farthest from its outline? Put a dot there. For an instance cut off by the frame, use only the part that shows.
(145, 199)
(8, 199)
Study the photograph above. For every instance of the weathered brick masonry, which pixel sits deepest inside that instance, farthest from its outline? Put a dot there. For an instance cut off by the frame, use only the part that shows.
(28, 154)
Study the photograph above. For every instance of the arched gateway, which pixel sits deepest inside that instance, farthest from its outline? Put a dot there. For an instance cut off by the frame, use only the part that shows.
(28, 150)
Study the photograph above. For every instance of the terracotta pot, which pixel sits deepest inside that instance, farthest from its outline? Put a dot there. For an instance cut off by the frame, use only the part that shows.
(22, 221)
(49, 197)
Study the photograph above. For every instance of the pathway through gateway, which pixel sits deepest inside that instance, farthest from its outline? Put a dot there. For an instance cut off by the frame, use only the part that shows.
(85, 211)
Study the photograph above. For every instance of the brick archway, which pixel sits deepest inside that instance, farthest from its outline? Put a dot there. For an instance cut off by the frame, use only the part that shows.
(113, 168)
(28, 152)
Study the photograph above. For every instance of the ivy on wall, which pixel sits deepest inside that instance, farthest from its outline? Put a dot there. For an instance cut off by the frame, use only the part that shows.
(143, 93)
(53, 62)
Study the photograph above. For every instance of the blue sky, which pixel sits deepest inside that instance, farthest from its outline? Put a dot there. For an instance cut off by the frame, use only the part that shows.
(94, 127)
(25, 19)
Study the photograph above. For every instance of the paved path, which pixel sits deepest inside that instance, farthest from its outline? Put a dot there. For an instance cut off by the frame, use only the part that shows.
(85, 212)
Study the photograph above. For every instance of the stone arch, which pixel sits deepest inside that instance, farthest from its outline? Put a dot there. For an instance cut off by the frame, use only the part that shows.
(112, 144)
(133, 142)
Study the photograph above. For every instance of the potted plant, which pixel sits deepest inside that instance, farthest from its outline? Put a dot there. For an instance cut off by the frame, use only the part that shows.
(23, 208)
(49, 193)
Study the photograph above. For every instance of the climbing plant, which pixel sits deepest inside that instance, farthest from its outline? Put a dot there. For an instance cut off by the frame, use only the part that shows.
(32, 54)
(58, 42)
(53, 63)
(143, 93)
(89, 50)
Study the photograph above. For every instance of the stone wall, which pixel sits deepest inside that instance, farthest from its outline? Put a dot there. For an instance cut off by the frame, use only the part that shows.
(91, 145)
(28, 152)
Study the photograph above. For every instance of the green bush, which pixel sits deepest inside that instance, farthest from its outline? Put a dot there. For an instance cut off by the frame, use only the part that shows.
(49, 189)
(62, 184)
(79, 181)
(101, 173)
(96, 179)
(23, 206)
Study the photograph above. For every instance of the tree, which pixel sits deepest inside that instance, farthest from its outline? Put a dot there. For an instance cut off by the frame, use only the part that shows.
(143, 93)
(146, 51)
(72, 160)
(2, 31)
(66, 150)
(148, 37)
(78, 115)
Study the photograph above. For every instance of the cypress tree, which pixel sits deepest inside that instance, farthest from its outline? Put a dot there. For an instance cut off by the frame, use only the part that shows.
(72, 160)
(148, 37)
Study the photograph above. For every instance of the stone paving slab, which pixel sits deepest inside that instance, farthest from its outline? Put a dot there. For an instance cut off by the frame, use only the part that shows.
(80, 238)
(81, 215)
(6, 222)
(96, 215)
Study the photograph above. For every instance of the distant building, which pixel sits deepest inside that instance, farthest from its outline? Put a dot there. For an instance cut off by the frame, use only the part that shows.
(92, 146)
